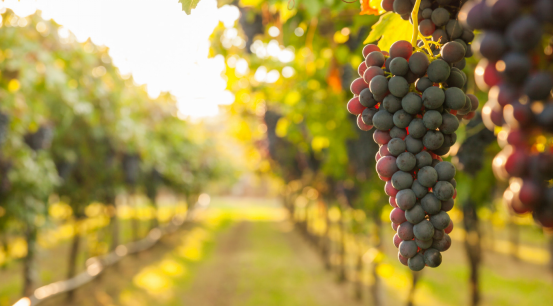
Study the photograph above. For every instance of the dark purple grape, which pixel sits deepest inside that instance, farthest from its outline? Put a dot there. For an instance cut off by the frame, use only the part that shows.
(454, 29)
(423, 159)
(438, 71)
(424, 230)
(407, 249)
(366, 98)
(454, 98)
(433, 97)
(405, 199)
(443, 190)
(398, 66)
(440, 220)
(400, 181)
(432, 119)
(442, 244)
(412, 103)
(524, 33)
(396, 146)
(382, 120)
(401, 119)
(379, 85)
(445, 171)
(367, 116)
(427, 176)
(423, 83)
(391, 103)
(440, 16)
(406, 161)
(432, 257)
(398, 86)
(433, 139)
(415, 214)
(396, 132)
(430, 204)
(413, 145)
(539, 86)
(417, 128)
(418, 63)
(517, 67)
(416, 263)
(492, 45)
(452, 52)
(419, 190)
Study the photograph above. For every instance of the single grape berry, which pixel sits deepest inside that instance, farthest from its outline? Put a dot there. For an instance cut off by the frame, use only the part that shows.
(405, 199)
(396, 132)
(416, 128)
(432, 257)
(445, 171)
(442, 244)
(440, 220)
(406, 161)
(401, 180)
(401, 119)
(382, 120)
(415, 215)
(398, 86)
(452, 52)
(416, 263)
(412, 103)
(386, 166)
(413, 145)
(379, 85)
(407, 249)
(431, 204)
(454, 98)
(427, 176)
(433, 139)
(367, 116)
(402, 48)
(375, 58)
(424, 230)
(391, 103)
(419, 190)
(438, 71)
(366, 98)
(419, 62)
(424, 244)
(423, 159)
(432, 119)
(399, 66)
(406, 231)
(449, 124)
(443, 190)
(423, 83)
(440, 16)
(397, 216)
(396, 146)
(433, 97)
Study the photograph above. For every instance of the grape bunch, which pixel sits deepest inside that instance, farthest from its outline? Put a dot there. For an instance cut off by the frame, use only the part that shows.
(414, 100)
(516, 46)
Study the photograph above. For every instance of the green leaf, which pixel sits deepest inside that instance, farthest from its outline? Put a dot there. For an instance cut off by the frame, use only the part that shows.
(389, 29)
(188, 5)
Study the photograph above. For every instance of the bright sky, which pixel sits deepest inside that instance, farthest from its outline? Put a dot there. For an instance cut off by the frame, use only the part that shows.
(152, 39)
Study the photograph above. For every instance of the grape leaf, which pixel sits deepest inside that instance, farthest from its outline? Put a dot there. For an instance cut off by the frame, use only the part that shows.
(389, 29)
(188, 5)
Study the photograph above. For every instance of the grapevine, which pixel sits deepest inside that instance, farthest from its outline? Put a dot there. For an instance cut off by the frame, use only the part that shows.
(414, 98)
(516, 46)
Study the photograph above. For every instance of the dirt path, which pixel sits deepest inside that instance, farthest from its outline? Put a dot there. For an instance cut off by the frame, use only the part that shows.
(250, 263)
(265, 263)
